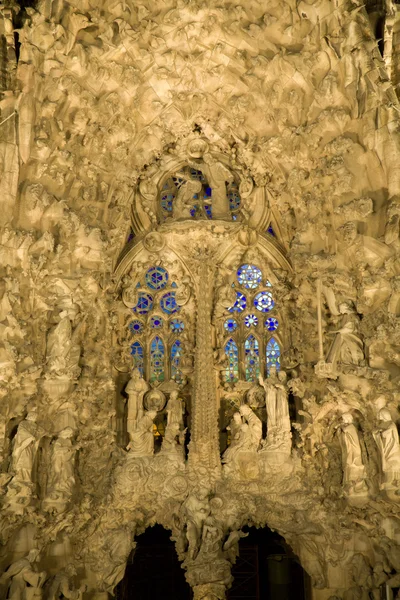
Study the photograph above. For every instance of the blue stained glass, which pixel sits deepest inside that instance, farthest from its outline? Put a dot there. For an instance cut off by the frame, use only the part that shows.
(252, 358)
(251, 321)
(136, 327)
(271, 323)
(156, 322)
(233, 196)
(168, 303)
(264, 302)
(144, 305)
(166, 201)
(156, 278)
(273, 355)
(230, 325)
(138, 356)
(249, 276)
(176, 354)
(271, 231)
(157, 353)
(177, 325)
(232, 354)
(268, 283)
(240, 303)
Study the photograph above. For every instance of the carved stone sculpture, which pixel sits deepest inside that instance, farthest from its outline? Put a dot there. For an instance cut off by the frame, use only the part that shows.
(142, 439)
(136, 389)
(347, 346)
(276, 402)
(184, 200)
(61, 474)
(196, 509)
(217, 175)
(25, 445)
(60, 586)
(353, 467)
(387, 440)
(23, 576)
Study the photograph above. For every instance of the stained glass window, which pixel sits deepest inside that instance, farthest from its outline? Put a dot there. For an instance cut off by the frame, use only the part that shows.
(144, 305)
(271, 323)
(264, 301)
(234, 197)
(136, 327)
(249, 276)
(251, 321)
(156, 278)
(137, 353)
(230, 325)
(232, 354)
(157, 353)
(270, 230)
(156, 322)
(177, 325)
(168, 303)
(240, 303)
(252, 358)
(273, 355)
(176, 353)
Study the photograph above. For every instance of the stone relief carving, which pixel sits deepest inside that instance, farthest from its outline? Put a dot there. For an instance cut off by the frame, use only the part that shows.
(71, 161)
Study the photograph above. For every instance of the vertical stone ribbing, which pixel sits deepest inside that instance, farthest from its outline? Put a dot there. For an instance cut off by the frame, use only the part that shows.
(204, 444)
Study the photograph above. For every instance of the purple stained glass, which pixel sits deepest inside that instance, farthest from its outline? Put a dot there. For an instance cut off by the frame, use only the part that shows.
(168, 303)
(156, 322)
(135, 327)
(156, 278)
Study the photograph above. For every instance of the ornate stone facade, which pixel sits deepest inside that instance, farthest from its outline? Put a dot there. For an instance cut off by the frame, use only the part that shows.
(199, 242)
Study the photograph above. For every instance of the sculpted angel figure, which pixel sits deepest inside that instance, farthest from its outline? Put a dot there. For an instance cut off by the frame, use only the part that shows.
(276, 402)
(387, 439)
(246, 434)
(136, 389)
(60, 585)
(353, 467)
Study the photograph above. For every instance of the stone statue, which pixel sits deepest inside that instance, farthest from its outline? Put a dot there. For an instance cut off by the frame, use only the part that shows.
(59, 586)
(136, 389)
(347, 347)
(216, 175)
(246, 434)
(175, 409)
(61, 478)
(354, 470)
(387, 440)
(24, 577)
(184, 200)
(142, 439)
(196, 510)
(64, 347)
(25, 446)
(276, 400)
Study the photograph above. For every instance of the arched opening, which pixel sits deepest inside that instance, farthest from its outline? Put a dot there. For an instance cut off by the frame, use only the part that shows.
(267, 568)
(153, 570)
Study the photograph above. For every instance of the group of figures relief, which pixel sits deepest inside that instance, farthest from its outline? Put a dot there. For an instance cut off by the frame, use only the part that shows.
(143, 405)
(24, 467)
(246, 427)
(387, 440)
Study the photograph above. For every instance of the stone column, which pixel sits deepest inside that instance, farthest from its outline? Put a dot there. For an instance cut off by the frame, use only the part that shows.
(204, 441)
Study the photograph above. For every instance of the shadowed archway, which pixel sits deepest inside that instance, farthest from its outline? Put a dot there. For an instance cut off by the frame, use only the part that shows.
(153, 570)
(266, 568)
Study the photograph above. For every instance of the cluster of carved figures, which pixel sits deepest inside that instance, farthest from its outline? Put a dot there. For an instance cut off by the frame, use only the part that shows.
(199, 240)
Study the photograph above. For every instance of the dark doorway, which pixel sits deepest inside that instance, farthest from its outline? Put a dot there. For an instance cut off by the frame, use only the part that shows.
(153, 570)
(267, 569)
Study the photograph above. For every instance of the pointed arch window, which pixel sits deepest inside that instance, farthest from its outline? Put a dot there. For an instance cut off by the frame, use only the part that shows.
(157, 355)
(252, 358)
(253, 324)
(232, 354)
